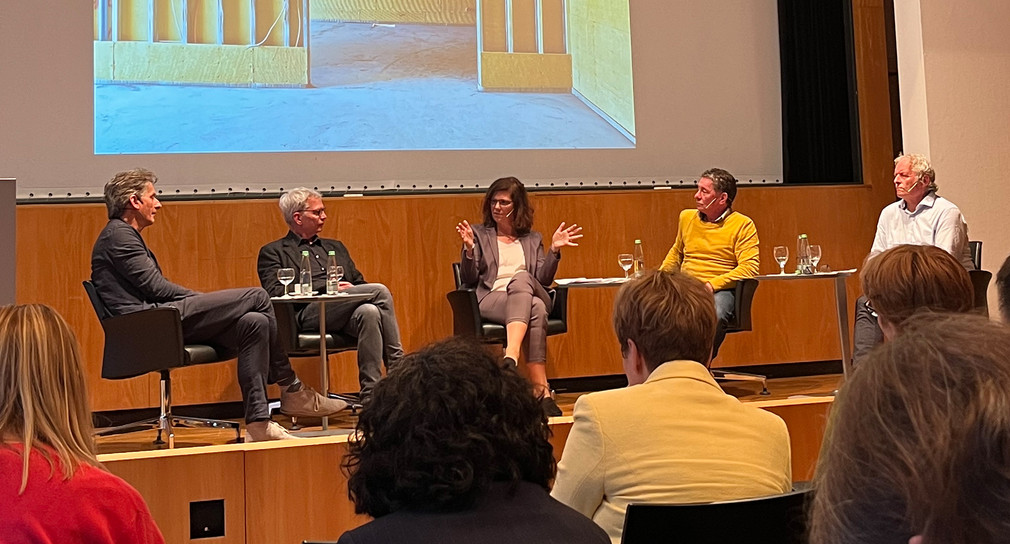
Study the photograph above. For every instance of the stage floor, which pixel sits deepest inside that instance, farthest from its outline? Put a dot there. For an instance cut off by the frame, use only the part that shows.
(781, 390)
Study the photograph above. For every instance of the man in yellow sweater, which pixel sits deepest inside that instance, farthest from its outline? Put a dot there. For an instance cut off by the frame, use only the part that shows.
(715, 245)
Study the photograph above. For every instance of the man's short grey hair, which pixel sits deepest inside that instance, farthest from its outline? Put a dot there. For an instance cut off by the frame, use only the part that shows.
(921, 167)
(124, 185)
(296, 200)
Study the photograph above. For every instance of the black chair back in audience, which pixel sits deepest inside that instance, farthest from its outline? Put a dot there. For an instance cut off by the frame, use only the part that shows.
(778, 518)
(151, 341)
(740, 322)
(466, 320)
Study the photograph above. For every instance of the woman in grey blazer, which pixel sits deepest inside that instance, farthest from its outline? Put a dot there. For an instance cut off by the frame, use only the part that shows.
(506, 263)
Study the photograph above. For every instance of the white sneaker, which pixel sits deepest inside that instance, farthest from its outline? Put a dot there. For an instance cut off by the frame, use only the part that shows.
(261, 431)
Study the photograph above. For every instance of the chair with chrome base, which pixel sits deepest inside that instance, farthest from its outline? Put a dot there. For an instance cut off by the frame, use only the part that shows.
(151, 341)
(777, 518)
(740, 322)
(466, 320)
(299, 343)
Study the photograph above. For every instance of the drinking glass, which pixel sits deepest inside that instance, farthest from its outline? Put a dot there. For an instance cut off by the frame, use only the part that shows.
(286, 276)
(815, 256)
(781, 256)
(340, 276)
(625, 260)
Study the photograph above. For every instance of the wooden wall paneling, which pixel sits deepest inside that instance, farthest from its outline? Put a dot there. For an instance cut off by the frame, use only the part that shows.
(53, 258)
(807, 420)
(169, 483)
(408, 243)
(297, 493)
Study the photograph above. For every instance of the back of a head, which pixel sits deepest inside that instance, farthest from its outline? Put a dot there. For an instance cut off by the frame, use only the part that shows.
(919, 440)
(910, 278)
(441, 427)
(43, 397)
(669, 316)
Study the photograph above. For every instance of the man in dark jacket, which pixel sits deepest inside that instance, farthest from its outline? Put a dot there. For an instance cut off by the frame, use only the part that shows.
(372, 319)
(128, 279)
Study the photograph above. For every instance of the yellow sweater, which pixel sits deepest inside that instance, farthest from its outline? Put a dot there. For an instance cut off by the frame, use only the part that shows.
(718, 253)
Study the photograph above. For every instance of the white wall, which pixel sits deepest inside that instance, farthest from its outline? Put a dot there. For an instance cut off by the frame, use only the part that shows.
(954, 74)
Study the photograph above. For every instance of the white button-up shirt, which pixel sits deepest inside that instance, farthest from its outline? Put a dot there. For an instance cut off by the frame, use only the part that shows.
(936, 221)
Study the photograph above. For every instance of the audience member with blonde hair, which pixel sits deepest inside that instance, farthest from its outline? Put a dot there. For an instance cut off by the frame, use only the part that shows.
(907, 279)
(52, 487)
(672, 436)
(916, 450)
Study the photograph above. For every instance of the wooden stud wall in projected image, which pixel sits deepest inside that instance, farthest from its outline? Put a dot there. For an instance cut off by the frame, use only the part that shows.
(202, 41)
(522, 46)
(438, 12)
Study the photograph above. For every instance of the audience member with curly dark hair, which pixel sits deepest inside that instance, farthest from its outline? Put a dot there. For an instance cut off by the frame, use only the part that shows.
(453, 446)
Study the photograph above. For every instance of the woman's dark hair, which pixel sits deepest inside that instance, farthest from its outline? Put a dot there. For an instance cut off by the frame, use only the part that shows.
(440, 428)
(522, 212)
(919, 439)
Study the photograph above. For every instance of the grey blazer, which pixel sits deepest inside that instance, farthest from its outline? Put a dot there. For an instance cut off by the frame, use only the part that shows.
(480, 271)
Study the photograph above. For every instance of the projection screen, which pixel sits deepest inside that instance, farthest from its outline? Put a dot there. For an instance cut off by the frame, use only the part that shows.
(247, 97)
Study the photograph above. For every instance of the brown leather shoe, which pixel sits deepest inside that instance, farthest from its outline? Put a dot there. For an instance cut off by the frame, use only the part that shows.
(261, 431)
(307, 403)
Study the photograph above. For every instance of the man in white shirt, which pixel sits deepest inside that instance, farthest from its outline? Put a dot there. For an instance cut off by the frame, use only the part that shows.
(919, 217)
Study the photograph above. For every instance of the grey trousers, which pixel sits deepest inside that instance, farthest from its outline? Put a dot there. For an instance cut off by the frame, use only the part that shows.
(524, 299)
(240, 322)
(866, 333)
(372, 321)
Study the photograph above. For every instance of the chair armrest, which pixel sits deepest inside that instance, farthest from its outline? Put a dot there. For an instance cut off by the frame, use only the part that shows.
(465, 312)
(141, 342)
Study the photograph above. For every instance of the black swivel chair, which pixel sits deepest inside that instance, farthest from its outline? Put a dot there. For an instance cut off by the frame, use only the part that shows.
(299, 343)
(151, 341)
(466, 320)
(779, 518)
(740, 322)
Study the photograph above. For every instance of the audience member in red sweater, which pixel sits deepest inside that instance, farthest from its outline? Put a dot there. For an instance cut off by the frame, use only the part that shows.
(52, 487)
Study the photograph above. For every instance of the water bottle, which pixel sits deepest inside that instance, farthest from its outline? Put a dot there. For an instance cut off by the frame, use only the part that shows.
(332, 278)
(638, 263)
(803, 255)
(305, 275)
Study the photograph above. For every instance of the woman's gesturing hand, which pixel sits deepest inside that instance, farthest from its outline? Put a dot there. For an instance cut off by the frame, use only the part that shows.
(565, 236)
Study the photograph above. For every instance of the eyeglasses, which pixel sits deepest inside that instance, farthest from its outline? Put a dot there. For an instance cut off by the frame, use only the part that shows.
(869, 308)
(316, 213)
(501, 202)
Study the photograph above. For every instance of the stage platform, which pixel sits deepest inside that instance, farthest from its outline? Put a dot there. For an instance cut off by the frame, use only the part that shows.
(294, 490)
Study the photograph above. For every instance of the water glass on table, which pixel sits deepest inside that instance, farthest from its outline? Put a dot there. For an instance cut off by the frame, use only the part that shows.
(781, 254)
(815, 257)
(286, 276)
(625, 260)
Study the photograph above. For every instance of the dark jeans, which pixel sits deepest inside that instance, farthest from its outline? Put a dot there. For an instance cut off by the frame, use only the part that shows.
(242, 322)
(372, 321)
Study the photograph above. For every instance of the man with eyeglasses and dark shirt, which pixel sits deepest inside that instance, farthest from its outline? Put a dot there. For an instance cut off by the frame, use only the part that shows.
(371, 320)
